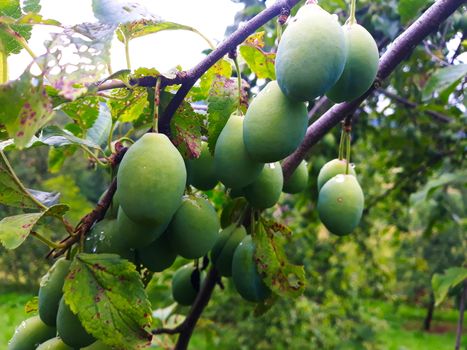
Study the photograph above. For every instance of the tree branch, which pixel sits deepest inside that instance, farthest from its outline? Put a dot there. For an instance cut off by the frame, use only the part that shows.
(427, 23)
(185, 329)
(438, 116)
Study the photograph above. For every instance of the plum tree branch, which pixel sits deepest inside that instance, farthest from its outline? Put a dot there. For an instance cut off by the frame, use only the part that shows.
(189, 78)
(427, 23)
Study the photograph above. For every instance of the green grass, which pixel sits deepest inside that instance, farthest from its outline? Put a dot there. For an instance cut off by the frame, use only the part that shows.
(405, 323)
(11, 314)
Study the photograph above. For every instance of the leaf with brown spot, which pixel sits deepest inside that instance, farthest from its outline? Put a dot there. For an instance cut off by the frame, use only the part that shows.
(186, 131)
(284, 278)
(107, 294)
(15, 229)
(260, 62)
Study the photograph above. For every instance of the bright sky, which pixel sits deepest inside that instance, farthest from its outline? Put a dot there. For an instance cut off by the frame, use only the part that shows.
(162, 50)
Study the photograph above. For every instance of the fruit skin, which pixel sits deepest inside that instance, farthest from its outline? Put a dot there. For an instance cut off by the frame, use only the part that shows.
(112, 211)
(234, 167)
(54, 344)
(340, 204)
(194, 228)
(331, 169)
(105, 238)
(50, 291)
(203, 172)
(265, 191)
(70, 329)
(159, 255)
(224, 249)
(135, 234)
(361, 65)
(311, 54)
(298, 180)
(30, 333)
(245, 274)
(183, 290)
(151, 180)
(274, 125)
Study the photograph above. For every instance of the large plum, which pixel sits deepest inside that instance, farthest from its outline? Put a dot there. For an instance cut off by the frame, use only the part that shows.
(30, 333)
(333, 168)
(54, 344)
(159, 255)
(298, 180)
(224, 249)
(274, 125)
(340, 204)
(194, 228)
(234, 166)
(311, 54)
(184, 289)
(70, 329)
(202, 170)
(50, 291)
(361, 65)
(151, 180)
(245, 276)
(265, 191)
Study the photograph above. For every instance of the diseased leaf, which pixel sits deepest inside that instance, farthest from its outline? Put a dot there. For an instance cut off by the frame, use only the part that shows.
(128, 105)
(221, 68)
(442, 283)
(261, 63)
(12, 192)
(284, 278)
(84, 111)
(31, 110)
(99, 132)
(443, 79)
(186, 131)
(222, 102)
(107, 294)
(28, 20)
(32, 306)
(15, 229)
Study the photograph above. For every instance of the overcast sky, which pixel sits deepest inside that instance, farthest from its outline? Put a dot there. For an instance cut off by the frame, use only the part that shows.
(211, 17)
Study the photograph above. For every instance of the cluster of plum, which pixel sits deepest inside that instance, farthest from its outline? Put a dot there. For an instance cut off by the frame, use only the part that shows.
(151, 220)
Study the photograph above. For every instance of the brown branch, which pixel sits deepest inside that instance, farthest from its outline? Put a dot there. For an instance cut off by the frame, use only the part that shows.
(412, 105)
(185, 329)
(427, 23)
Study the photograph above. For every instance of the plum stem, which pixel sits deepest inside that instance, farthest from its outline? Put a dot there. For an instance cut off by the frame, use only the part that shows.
(352, 19)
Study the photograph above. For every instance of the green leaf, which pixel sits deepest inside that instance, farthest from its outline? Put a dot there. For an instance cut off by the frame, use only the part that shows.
(11, 8)
(12, 192)
(409, 9)
(32, 306)
(107, 294)
(222, 102)
(449, 279)
(28, 20)
(99, 132)
(54, 136)
(186, 131)
(128, 107)
(15, 229)
(432, 185)
(442, 79)
(32, 6)
(261, 63)
(284, 278)
(84, 111)
(142, 27)
(31, 109)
